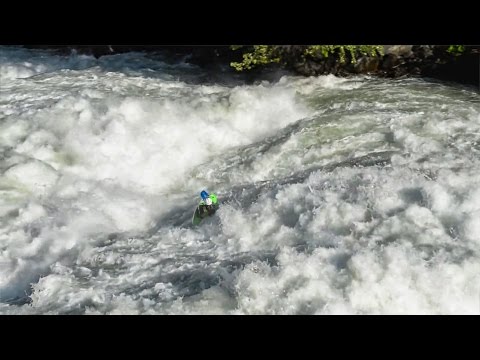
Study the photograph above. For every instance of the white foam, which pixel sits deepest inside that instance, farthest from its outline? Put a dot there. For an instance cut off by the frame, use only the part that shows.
(37, 176)
(18, 63)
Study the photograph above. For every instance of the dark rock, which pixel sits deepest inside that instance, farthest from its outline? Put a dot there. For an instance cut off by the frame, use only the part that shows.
(463, 69)
(366, 65)
(389, 61)
(416, 71)
(422, 51)
(398, 50)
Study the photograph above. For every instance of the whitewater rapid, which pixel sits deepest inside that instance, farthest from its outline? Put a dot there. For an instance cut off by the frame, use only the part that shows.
(338, 196)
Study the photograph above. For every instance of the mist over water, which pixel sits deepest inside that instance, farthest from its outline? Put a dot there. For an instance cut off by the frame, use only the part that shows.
(337, 196)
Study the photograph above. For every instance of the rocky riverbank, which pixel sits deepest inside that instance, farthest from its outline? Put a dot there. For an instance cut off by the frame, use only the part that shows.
(430, 61)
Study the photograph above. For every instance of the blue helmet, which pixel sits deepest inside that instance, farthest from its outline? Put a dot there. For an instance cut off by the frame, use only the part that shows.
(204, 195)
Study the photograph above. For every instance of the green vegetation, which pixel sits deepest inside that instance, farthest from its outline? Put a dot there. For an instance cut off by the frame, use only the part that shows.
(456, 49)
(261, 55)
(341, 51)
(267, 54)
